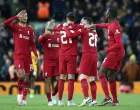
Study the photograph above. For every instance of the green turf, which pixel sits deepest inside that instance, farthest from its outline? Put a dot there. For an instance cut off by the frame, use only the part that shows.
(127, 102)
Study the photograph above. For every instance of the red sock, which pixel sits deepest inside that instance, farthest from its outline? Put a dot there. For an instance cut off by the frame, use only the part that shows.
(84, 85)
(60, 88)
(25, 90)
(49, 96)
(70, 89)
(20, 84)
(55, 90)
(104, 85)
(113, 90)
(93, 90)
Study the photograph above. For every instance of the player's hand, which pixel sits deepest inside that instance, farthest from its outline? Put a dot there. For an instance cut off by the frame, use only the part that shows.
(20, 15)
(92, 26)
(65, 24)
(102, 52)
(50, 22)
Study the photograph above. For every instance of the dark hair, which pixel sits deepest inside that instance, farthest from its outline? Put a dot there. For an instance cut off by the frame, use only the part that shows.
(71, 16)
(112, 12)
(88, 19)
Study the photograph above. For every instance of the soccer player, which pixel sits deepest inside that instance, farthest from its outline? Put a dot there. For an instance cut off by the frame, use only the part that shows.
(88, 64)
(112, 62)
(50, 43)
(67, 60)
(24, 43)
(33, 74)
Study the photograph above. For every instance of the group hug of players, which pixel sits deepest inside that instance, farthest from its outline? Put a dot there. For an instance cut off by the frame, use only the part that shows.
(60, 54)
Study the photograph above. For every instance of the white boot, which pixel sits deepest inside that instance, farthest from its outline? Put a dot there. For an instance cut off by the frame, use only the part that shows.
(71, 103)
(86, 101)
(50, 103)
(19, 99)
(61, 103)
(54, 100)
(24, 103)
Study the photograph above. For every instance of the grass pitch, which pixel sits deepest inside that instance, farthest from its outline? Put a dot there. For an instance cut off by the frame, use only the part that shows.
(127, 102)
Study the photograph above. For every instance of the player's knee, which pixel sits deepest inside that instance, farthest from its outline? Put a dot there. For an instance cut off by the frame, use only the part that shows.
(91, 78)
(21, 73)
(26, 78)
(111, 78)
(57, 78)
(102, 71)
(82, 76)
(71, 76)
(62, 76)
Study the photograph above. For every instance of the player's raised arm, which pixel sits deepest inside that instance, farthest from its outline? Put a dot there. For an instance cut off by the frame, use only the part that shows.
(8, 22)
(102, 25)
(43, 36)
(118, 38)
(72, 34)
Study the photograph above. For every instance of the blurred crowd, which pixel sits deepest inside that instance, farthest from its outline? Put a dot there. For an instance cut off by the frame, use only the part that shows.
(128, 16)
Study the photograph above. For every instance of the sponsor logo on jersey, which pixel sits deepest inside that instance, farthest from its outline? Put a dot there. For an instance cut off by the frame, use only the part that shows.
(55, 45)
(52, 45)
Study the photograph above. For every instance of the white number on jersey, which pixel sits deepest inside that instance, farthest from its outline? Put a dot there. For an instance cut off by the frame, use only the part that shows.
(64, 35)
(92, 37)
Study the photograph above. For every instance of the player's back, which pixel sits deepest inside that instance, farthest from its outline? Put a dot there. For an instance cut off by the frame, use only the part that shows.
(51, 46)
(114, 29)
(89, 41)
(68, 45)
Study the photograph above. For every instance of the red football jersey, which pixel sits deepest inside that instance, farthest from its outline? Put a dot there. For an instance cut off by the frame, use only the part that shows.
(89, 39)
(114, 37)
(50, 45)
(23, 37)
(68, 46)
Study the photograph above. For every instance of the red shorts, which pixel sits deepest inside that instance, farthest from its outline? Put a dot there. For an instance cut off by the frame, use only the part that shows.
(23, 62)
(112, 62)
(88, 64)
(67, 64)
(51, 68)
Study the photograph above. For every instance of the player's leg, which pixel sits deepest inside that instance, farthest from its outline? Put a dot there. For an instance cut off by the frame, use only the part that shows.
(104, 84)
(85, 68)
(62, 71)
(71, 78)
(28, 68)
(21, 72)
(48, 90)
(55, 90)
(71, 68)
(112, 83)
(91, 80)
(25, 89)
(93, 88)
(31, 85)
(57, 77)
(84, 85)
(61, 89)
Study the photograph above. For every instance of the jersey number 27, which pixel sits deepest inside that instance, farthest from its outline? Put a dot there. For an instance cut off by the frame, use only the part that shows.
(64, 35)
